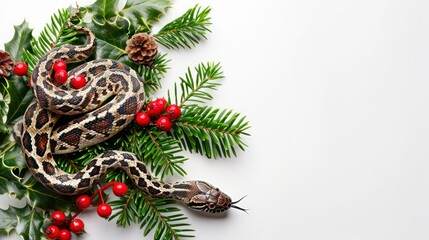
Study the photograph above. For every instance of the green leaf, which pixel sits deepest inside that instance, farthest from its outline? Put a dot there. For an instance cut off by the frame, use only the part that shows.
(20, 41)
(111, 32)
(27, 222)
(15, 88)
(142, 13)
(4, 109)
(103, 10)
(113, 26)
(8, 220)
(20, 97)
(10, 168)
(187, 30)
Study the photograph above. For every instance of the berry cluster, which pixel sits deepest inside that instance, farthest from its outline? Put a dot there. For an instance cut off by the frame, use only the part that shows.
(62, 227)
(160, 114)
(60, 73)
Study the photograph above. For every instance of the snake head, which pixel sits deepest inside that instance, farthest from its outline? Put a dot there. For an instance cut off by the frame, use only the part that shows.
(208, 198)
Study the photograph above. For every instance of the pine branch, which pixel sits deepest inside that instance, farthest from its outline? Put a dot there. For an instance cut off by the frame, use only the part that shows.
(156, 213)
(150, 213)
(211, 132)
(195, 87)
(155, 149)
(55, 33)
(187, 30)
(152, 75)
(125, 209)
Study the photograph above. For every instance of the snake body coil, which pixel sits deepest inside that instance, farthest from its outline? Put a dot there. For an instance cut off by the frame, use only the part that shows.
(106, 79)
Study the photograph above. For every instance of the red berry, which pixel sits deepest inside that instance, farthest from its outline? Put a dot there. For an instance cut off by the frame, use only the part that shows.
(142, 119)
(162, 103)
(60, 65)
(120, 189)
(65, 234)
(52, 232)
(20, 68)
(83, 201)
(78, 82)
(164, 124)
(173, 112)
(104, 210)
(153, 109)
(58, 218)
(61, 76)
(76, 225)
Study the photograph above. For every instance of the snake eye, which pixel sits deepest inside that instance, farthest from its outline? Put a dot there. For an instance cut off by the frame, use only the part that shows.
(211, 205)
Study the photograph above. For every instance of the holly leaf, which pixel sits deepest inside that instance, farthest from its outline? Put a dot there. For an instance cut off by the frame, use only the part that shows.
(142, 13)
(14, 180)
(45, 199)
(10, 166)
(15, 88)
(112, 26)
(103, 10)
(4, 109)
(27, 222)
(8, 220)
(20, 41)
(20, 97)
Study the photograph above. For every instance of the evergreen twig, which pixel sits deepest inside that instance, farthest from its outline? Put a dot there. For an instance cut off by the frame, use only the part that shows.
(211, 132)
(194, 88)
(187, 30)
(152, 75)
(54, 34)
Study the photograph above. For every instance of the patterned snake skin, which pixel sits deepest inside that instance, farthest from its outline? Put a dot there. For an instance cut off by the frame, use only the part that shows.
(107, 79)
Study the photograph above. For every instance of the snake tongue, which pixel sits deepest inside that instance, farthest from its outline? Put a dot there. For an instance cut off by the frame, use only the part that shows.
(237, 207)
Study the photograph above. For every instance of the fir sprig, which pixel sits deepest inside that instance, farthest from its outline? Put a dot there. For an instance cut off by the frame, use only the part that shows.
(54, 34)
(151, 213)
(187, 30)
(195, 87)
(211, 132)
(155, 149)
(152, 75)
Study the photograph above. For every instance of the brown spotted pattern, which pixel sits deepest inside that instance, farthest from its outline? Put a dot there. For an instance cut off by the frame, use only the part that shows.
(106, 79)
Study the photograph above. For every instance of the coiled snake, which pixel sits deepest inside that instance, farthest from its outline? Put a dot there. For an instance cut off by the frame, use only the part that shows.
(106, 79)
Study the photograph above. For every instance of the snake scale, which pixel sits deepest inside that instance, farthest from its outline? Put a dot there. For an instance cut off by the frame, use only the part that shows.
(40, 138)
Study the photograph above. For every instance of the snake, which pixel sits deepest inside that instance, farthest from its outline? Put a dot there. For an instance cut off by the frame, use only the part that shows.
(113, 95)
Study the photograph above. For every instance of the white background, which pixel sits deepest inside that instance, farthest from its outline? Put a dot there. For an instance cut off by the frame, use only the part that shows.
(337, 94)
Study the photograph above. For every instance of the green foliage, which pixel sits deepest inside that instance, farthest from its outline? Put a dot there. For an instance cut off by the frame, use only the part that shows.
(211, 132)
(151, 213)
(54, 33)
(15, 88)
(155, 149)
(14, 181)
(194, 87)
(201, 129)
(26, 222)
(113, 26)
(140, 14)
(187, 30)
(4, 109)
(20, 41)
(152, 75)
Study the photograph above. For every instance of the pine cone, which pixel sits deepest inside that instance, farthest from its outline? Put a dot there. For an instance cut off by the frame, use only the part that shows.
(142, 49)
(6, 64)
